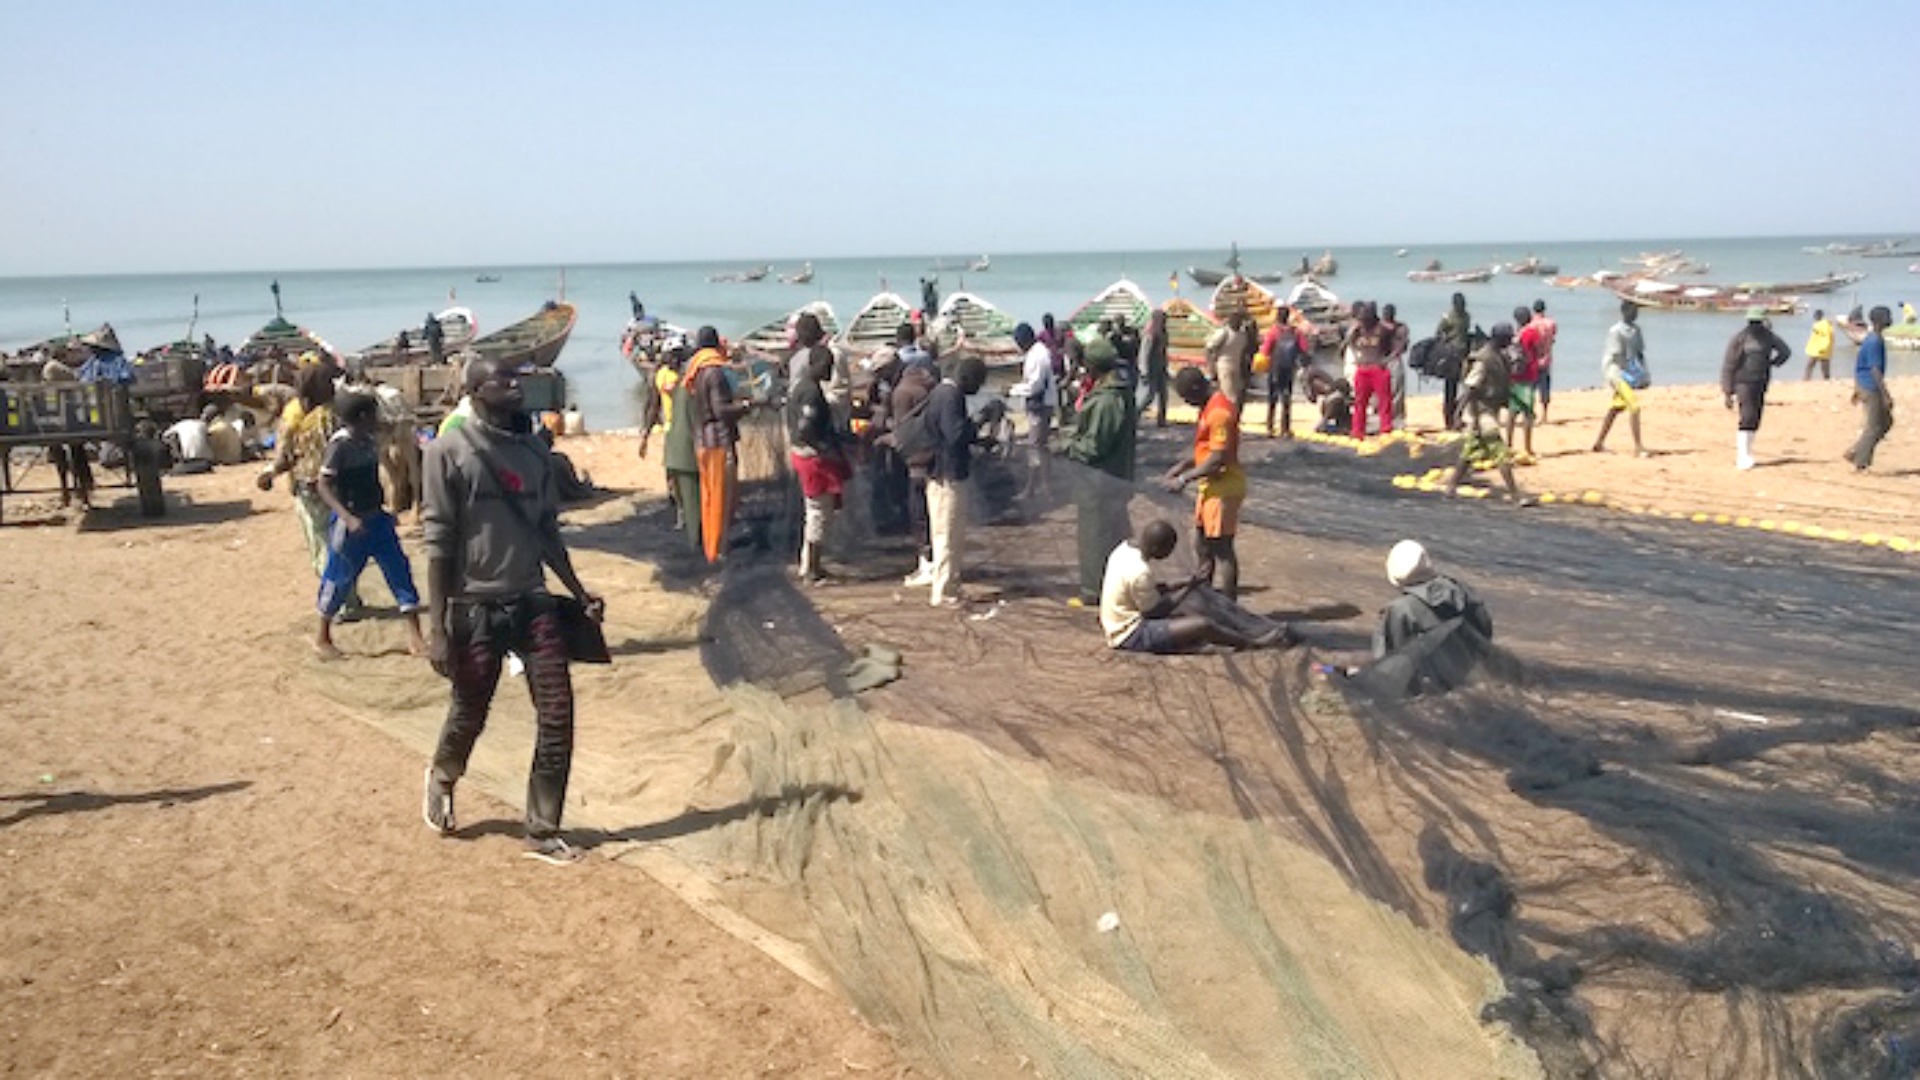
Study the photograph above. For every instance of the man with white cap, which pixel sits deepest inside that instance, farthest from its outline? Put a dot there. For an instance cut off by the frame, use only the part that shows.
(1744, 375)
(1436, 631)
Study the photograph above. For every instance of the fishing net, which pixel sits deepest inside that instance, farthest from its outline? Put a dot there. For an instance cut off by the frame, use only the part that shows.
(1672, 834)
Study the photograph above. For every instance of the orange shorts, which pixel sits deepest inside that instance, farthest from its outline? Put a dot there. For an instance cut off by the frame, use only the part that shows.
(1217, 517)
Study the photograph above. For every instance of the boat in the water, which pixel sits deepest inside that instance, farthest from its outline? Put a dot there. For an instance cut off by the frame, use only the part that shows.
(1826, 284)
(1904, 337)
(1400, 253)
(774, 340)
(535, 340)
(457, 331)
(1120, 300)
(486, 279)
(876, 323)
(1530, 266)
(1673, 296)
(1208, 278)
(758, 273)
(981, 265)
(1188, 328)
(801, 276)
(1238, 291)
(988, 330)
(1477, 275)
(645, 340)
(1325, 266)
(1318, 305)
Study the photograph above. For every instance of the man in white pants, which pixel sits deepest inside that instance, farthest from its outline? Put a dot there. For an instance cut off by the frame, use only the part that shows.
(952, 434)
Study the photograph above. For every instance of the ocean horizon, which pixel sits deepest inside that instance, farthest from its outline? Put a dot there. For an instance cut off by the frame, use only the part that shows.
(354, 307)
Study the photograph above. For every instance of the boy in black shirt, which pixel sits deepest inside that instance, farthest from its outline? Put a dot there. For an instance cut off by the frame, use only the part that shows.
(362, 528)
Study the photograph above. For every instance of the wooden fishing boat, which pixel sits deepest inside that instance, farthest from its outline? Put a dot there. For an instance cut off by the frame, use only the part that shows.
(1120, 300)
(1900, 337)
(292, 341)
(774, 340)
(1207, 278)
(535, 340)
(1672, 296)
(802, 276)
(1238, 291)
(1188, 328)
(1827, 284)
(981, 265)
(876, 323)
(1530, 266)
(457, 330)
(1318, 305)
(989, 331)
(1477, 276)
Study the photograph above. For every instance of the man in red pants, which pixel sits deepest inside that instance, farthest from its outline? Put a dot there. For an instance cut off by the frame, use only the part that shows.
(1371, 342)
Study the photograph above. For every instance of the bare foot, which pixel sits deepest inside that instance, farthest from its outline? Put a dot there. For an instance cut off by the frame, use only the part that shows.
(1599, 449)
(327, 650)
(416, 647)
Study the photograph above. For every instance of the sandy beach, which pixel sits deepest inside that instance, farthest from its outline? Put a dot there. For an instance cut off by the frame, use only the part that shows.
(214, 851)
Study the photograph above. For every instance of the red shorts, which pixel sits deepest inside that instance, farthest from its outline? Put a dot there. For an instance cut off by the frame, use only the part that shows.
(821, 475)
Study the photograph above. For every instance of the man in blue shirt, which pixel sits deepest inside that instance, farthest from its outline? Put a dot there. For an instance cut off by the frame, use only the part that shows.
(1870, 390)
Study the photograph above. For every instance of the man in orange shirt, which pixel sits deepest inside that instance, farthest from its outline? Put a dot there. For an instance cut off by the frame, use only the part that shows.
(1223, 485)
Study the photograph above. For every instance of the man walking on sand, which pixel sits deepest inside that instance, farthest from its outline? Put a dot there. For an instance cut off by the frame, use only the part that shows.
(1525, 396)
(361, 528)
(1745, 375)
(1487, 388)
(1223, 485)
(492, 529)
(1870, 390)
(1622, 364)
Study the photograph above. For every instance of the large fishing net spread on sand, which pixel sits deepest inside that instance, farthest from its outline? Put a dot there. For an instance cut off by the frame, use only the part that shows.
(1648, 842)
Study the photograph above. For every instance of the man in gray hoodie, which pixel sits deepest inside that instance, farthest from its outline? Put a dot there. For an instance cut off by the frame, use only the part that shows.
(492, 530)
(1433, 634)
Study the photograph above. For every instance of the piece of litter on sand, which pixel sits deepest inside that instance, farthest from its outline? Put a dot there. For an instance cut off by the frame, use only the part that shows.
(1108, 923)
(990, 612)
(46, 778)
(768, 625)
(515, 666)
(1751, 718)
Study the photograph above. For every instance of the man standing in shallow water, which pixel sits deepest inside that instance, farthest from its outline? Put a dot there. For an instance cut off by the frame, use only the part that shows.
(492, 528)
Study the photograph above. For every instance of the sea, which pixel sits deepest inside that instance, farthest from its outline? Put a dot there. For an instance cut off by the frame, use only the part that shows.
(354, 308)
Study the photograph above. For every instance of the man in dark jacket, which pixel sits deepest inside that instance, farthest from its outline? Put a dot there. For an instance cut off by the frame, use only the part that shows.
(1153, 349)
(917, 380)
(1103, 441)
(1751, 357)
(951, 433)
(1455, 334)
(1433, 634)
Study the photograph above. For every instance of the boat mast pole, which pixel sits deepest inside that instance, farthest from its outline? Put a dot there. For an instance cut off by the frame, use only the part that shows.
(194, 320)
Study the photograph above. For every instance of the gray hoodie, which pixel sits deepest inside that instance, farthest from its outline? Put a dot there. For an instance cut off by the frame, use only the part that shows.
(467, 518)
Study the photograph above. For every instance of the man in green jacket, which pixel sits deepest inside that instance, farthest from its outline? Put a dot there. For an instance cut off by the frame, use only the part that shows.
(1102, 440)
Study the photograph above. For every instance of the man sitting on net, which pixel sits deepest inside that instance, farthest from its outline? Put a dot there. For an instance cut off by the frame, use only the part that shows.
(1140, 614)
(1434, 634)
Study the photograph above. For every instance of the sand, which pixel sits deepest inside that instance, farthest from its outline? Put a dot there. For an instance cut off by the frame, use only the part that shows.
(211, 869)
(216, 864)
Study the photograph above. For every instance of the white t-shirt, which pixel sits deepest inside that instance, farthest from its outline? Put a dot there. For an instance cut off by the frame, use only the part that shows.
(1037, 373)
(192, 434)
(1127, 593)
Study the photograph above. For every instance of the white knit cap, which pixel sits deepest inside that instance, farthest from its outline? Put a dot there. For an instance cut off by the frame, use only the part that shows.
(1407, 564)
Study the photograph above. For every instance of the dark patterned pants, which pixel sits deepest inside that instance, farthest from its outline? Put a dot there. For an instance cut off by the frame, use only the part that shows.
(480, 634)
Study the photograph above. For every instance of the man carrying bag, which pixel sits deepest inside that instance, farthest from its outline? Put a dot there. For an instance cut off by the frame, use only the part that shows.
(492, 527)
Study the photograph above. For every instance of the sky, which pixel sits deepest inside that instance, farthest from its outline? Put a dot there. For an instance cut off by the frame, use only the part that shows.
(198, 136)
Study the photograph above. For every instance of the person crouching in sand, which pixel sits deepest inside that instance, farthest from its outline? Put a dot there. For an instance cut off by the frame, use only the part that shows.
(361, 529)
(1434, 634)
(1140, 614)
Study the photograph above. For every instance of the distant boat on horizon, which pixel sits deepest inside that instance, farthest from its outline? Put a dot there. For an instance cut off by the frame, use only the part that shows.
(486, 279)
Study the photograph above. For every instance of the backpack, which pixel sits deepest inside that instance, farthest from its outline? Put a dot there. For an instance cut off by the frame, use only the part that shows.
(1420, 355)
(1490, 381)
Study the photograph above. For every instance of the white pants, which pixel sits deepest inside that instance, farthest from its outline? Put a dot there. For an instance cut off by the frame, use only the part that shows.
(946, 520)
(819, 518)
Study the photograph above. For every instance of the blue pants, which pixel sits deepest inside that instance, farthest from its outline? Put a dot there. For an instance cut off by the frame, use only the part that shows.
(347, 555)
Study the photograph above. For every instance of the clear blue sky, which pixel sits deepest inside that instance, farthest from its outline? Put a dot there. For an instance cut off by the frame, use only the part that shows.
(198, 136)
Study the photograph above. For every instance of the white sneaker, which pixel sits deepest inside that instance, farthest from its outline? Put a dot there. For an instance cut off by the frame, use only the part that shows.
(922, 576)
